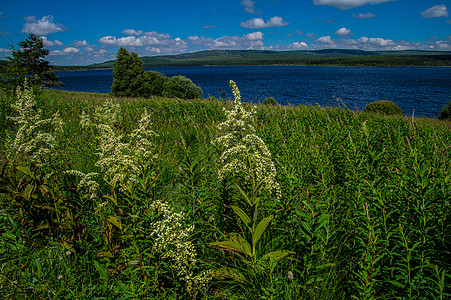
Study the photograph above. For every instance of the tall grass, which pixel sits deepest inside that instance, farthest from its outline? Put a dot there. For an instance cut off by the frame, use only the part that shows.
(365, 206)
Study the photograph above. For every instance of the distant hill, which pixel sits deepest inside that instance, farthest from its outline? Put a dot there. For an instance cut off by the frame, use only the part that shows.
(328, 57)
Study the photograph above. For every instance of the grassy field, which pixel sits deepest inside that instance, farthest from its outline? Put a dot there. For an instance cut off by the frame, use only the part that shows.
(361, 208)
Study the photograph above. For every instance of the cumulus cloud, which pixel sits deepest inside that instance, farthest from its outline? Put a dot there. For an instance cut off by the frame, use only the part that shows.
(378, 42)
(80, 43)
(326, 40)
(343, 32)
(43, 26)
(298, 45)
(148, 39)
(368, 15)
(347, 4)
(248, 41)
(65, 51)
(132, 32)
(70, 50)
(48, 43)
(249, 6)
(436, 11)
(209, 26)
(258, 23)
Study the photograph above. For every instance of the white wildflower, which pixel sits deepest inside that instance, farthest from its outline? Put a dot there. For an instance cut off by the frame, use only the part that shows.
(89, 188)
(32, 139)
(245, 152)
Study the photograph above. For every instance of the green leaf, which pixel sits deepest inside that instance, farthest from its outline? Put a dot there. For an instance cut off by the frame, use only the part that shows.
(271, 258)
(230, 273)
(236, 243)
(102, 270)
(111, 198)
(260, 229)
(244, 194)
(25, 170)
(115, 222)
(105, 254)
(240, 213)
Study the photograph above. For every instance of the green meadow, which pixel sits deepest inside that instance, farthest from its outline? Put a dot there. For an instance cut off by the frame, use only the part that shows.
(131, 206)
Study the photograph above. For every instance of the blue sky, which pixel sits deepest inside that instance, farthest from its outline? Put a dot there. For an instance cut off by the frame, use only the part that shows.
(84, 32)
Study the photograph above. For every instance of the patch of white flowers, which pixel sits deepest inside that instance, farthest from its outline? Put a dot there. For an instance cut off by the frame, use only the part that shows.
(32, 139)
(172, 238)
(87, 184)
(245, 152)
(120, 157)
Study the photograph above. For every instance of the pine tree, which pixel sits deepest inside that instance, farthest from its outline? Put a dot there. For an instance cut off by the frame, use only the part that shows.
(28, 61)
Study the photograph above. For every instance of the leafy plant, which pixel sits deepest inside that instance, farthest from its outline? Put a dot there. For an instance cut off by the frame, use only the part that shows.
(270, 101)
(248, 169)
(445, 113)
(383, 106)
(181, 87)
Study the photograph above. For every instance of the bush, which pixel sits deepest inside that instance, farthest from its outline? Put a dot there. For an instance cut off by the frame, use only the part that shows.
(445, 114)
(386, 107)
(153, 84)
(270, 101)
(181, 87)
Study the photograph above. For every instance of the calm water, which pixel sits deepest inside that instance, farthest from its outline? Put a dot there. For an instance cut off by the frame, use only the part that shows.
(423, 90)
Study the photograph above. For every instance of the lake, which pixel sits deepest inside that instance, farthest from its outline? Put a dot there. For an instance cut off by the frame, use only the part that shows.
(423, 91)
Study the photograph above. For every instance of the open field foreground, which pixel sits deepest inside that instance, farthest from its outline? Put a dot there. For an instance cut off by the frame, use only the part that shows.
(123, 198)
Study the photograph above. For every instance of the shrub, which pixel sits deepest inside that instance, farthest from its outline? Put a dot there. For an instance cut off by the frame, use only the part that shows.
(270, 101)
(153, 84)
(181, 87)
(384, 106)
(445, 114)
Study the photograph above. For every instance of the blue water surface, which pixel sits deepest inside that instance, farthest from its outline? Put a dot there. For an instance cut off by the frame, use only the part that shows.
(422, 91)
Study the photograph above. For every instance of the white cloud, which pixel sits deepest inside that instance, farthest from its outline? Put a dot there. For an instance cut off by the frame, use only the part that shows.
(298, 45)
(248, 41)
(132, 32)
(368, 15)
(436, 11)
(326, 40)
(343, 32)
(249, 6)
(43, 26)
(257, 23)
(378, 42)
(80, 43)
(70, 50)
(209, 26)
(347, 4)
(3, 50)
(48, 43)
(66, 51)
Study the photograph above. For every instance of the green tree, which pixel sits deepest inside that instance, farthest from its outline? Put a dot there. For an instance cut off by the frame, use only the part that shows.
(386, 107)
(181, 87)
(153, 84)
(28, 61)
(445, 114)
(128, 74)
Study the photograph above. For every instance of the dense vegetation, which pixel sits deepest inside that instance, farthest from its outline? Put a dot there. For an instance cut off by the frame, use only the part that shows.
(330, 57)
(162, 198)
(445, 113)
(28, 61)
(130, 79)
(384, 107)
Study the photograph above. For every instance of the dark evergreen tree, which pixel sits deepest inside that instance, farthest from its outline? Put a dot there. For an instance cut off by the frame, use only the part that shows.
(128, 74)
(28, 61)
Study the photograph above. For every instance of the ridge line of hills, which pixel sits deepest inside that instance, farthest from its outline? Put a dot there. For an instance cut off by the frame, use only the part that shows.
(328, 57)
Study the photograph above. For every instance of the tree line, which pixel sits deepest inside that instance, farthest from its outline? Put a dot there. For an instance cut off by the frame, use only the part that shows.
(129, 78)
